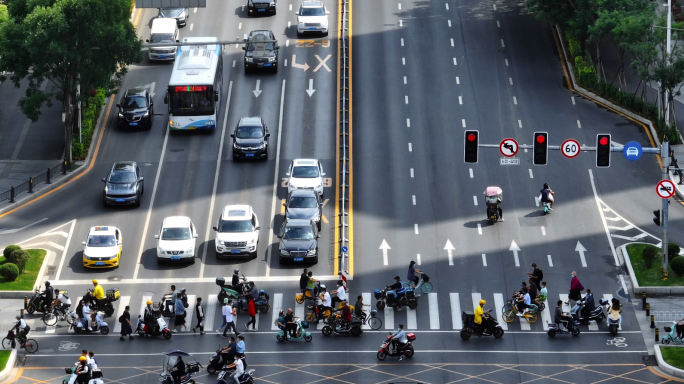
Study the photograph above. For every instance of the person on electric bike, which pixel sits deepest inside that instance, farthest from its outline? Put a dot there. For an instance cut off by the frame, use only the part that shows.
(482, 316)
(561, 317)
(523, 302)
(326, 303)
(589, 304)
(396, 287)
(239, 369)
(399, 339)
(48, 295)
(98, 294)
(22, 329)
(547, 195)
(346, 315)
(82, 371)
(178, 370)
(228, 352)
(235, 282)
(311, 285)
(341, 294)
(148, 317)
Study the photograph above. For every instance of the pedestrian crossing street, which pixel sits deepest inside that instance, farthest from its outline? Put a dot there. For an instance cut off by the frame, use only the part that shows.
(443, 313)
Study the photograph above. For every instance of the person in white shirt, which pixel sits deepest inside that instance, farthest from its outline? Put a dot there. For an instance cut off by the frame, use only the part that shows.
(63, 301)
(228, 312)
(22, 329)
(341, 294)
(92, 363)
(325, 301)
(85, 315)
(239, 369)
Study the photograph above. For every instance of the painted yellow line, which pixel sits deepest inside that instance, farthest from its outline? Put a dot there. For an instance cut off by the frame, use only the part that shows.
(282, 206)
(17, 377)
(351, 164)
(336, 239)
(653, 371)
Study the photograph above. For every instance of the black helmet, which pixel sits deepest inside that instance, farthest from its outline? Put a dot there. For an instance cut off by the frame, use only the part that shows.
(47, 283)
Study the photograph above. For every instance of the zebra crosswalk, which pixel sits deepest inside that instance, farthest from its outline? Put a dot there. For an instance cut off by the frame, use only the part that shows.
(443, 313)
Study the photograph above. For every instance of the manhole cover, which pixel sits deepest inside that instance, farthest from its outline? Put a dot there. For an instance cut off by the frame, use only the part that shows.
(146, 164)
(51, 269)
(177, 150)
(617, 270)
(638, 171)
(649, 361)
(115, 278)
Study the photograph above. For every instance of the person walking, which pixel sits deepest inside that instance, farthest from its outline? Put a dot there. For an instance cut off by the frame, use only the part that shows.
(126, 326)
(199, 313)
(575, 289)
(223, 314)
(229, 313)
(251, 310)
(179, 311)
(537, 275)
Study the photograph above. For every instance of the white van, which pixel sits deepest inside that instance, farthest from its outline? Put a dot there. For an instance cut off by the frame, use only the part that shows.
(163, 31)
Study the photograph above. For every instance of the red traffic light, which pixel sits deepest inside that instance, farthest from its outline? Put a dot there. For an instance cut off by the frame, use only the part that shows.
(541, 139)
(472, 137)
(603, 141)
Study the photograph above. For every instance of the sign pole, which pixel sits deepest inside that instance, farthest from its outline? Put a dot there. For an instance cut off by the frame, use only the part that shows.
(664, 156)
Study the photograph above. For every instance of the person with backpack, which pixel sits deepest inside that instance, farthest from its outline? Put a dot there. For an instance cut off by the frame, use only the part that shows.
(126, 326)
(22, 329)
(199, 313)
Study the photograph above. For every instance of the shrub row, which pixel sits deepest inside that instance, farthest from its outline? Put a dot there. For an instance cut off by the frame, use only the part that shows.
(89, 113)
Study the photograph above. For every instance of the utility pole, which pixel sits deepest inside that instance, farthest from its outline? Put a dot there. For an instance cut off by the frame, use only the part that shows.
(669, 51)
(665, 157)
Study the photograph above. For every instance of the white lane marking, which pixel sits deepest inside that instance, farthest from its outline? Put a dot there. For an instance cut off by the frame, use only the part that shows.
(243, 8)
(502, 44)
(290, 7)
(603, 219)
(519, 123)
(497, 24)
(498, 308)
(433, 304)
(405, 99)
(413, 197)
(418, 259)
(286, 62)
(287, 43)
(524, 325)
(209, 312)
(479, 229)
(470, 170)
(399, 4)
(123, 302)
(195, 10)
(475, 200)
(531, 175)
(463, 123)
(402, 41)
(613, 218)
(456, 322)
(580, 248)
(289, 23)
(525, 150)
(210, 216)
(546, 315)
(367, 300)
(515, 249)
(543, 231)
(410, 147)
(452, 42)
(460, 100)
(536, 200)
(66, 247)
(374, 351)
(403, 61)
(447, 6)
(408, 123)
(550, 260)
(515, 100)
(412, 173)
(415, 228)
(276, 306)
(405, 80)
(191, 25)
(389, 317)
(141, 249)
(411, 321)
(484, 260)
(510, 80)
(233, 63)
(240, 25)
(494, 5)
(506, 60)
(384, 246)
(455, 62)
(275, 179)
(401, 23)
(573, 99)
(450, 248)
(449, 22)
(579, 125)
(458, 81)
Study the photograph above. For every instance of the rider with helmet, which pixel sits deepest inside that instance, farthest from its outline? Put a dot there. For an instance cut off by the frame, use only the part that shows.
(98, 294)
(22, 329)
(482, 316)
(326, 303)
(148, 317)
(547, 195)
(235, 282)
(48, 295)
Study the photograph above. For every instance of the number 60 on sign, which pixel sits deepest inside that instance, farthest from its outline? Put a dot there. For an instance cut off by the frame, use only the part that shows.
(570, 148)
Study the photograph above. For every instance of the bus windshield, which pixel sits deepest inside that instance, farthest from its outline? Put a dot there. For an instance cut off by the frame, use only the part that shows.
(196, 103)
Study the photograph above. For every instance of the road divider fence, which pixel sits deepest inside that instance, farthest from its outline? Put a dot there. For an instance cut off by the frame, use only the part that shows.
(27, 186)
(344, 140)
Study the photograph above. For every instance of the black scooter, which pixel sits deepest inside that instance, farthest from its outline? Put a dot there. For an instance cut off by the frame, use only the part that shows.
(596, 314)
(571, 327)
(470, 328)
(35, 304)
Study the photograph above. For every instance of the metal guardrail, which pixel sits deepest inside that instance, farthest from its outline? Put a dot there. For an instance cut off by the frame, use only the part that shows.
(667, 316)
(27, 186)
(343, 45)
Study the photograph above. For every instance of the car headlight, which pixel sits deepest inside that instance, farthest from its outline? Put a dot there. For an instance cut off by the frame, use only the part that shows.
(86, 256)
(251, 241)
(249, 59)
(189, 250)
(147, 113)
(221, 242)
(113, 257)
(284, 252)
(271, 59)
(261, 146)
(272, 4)
(236, 146)
(317, 218)
(311, 252)
(301, 23)
(174, 124)
(161, 251)
(121, 116)
(318, 185)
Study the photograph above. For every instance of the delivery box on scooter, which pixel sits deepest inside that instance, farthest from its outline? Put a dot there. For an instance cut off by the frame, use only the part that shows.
(113, 294)
(411, 336)
(220, 281)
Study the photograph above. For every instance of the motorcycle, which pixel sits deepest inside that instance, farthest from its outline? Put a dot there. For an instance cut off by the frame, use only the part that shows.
(105, 305)
(99, 326)
(300, 333)
(169, 360)
(161, 328)
(470, 328)
(35, 304)
(261, 303)
(613, 326)
(246, 377)
(572, 328)
(406, 350)
(596, 314)
(215, 362)
(228, 291)
(306, 294)
(402, 297)
(333, 324)
(671, 335)
(546, 205)
(169, 310)
(95, 376)
(317, 313)
(492, 200)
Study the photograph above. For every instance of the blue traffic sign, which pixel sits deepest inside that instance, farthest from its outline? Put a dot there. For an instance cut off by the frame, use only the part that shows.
(632, 151)
(345, 249)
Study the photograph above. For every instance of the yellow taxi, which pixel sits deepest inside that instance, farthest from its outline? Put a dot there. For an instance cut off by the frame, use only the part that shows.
(102, 247)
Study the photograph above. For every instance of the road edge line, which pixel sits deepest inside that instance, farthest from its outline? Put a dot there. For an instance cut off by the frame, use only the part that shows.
(336, 220)
(350, 220)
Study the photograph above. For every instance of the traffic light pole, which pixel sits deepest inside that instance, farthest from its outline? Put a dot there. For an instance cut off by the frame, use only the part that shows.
(664, 152)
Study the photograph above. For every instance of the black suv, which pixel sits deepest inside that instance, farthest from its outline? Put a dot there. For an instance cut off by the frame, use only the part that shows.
(250, 139)
(260, 54)
(123, 185)
(261, 7)
(304, 204)
(136, 108)
(298, 241)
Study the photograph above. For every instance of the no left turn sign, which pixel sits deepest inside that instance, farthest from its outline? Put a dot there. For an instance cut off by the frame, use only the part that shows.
(570, 148)
(508, 147)
(665, 189)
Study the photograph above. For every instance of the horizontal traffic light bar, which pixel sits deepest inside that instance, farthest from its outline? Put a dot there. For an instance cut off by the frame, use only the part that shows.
(558, 147)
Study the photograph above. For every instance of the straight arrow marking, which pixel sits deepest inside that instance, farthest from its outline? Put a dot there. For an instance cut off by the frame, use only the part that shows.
(514, 247)
(579, 248)
(449, 248)
(384, 246)
(310, 91)
(256, 90)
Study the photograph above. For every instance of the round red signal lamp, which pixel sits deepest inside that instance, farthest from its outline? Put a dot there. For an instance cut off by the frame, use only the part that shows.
(541, 139)
(603, 141)
(472, 137)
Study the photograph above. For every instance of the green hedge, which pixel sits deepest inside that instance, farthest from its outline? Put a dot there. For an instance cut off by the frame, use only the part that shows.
(90, 112)
(586, 77)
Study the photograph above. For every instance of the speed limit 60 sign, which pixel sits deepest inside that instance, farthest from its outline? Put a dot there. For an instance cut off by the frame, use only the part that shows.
(570, 148)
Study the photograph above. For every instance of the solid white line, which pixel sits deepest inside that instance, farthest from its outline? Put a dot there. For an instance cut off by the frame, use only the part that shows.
(543, 231)
(415, 228)
(447, 6)
(66, 248)
(603, 219)
(405, 82)
(48, 233)
(413, 197)
(458, 81)
(374, 351)
(433, 304)
(578, 124)
(497, 24)
(275, 180)
(403, 61)
(141, 249)
(531, 175)
(399, 4)
(479, 229)
(475, 200)
(455, 62)
(484, 260)
(408, 123)
(195, 10)
(275, 308)
(240, 25)
(418, 259)
(498, 308)
(233, 63)
(49, 330)
(191, 25)
(463, 123)
(452, 42)
(412, 173)
(286, 62)
(494, 5)
(402, 41)
(536, 200)
(502, 44)
(519, 124)
(449, 22)
(289, 23)
(573, 99)
(411, 321)
(515, 100)
(389, 317)
(123, 302)
(287, 42)
(470, 170)
(460, 100)
(405, 99)
(290, 7)
(401, 23)
(506, 60)
(456, 321)
(550, 261)
(510, 80)
(216, 179)
(410, 147)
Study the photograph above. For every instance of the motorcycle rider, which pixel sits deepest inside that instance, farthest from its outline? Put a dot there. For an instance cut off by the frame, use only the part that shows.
(547, 195)
(148, 317)
(48, 295)
(341, 294)
(346, 315)
(178, 370)
(614, 313)
(22, 329)
(61, 299)
(396, 287)
(482, 317)
(235, 282)
(523, 302)
(398, 337)
(98, 294)
(239, 369)
(311, 285)
(325, 302)
(561, 317)
(589, 304)
(290, 324)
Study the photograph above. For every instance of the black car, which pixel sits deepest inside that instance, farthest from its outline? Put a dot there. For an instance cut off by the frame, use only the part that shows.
(298, 241)
(136, 108)
(123, 185)
(261, 52)
(250, 139)
(261, 7)
(180, 14)
(304, 204)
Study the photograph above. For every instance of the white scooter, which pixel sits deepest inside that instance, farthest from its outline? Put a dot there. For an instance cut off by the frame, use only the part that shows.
(95, 377)
(100, 325)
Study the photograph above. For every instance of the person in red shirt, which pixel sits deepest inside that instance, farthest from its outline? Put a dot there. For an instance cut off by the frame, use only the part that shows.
(346, 314)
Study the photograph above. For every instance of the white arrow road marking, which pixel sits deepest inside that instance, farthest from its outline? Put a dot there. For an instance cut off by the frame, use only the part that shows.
(579, 248)
(321, 63)
(256, 90)
(149, 86)
(384, 246)
(310, 91)
(449, 248)
(11, 231)
(514, 247)
(304, 66)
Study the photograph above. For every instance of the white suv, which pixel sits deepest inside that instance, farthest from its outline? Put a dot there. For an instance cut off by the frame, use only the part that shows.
(305, 174)
(312, 17)
(237, 232)
(177, 239)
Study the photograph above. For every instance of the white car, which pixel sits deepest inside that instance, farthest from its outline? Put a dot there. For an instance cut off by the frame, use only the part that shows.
(305, 174)
(312, 17)
(177, 239)
(237, 232)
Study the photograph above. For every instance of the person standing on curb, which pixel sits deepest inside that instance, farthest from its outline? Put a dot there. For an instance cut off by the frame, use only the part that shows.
(575, 289)
(199, 313)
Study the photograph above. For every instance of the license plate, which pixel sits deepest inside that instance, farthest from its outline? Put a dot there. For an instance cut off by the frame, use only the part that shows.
(234, 251)
(162, 56)
(120, 200)
(298, 259)
(175, 257)
(312, 29)
(249, 154)
(133, 123)
(268, 65)
(99, 263)
(262, 10)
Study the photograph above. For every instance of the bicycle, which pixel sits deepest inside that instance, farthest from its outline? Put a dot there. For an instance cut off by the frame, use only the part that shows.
(30, 345)
(374, 321)
(52, 315)
(423, 284)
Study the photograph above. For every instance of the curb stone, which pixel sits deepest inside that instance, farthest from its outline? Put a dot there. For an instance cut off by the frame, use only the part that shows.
(5, 374)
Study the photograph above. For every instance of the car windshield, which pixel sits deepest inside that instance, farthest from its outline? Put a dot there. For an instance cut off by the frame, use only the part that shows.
(197, 103)
(249, 132)
(161, 38)
(312, 12)
(171, 12)
(302, 202)
(175, 234)
(236, 226)
(135, 102)
(101, 241)
(121, 177)
(260, 47)
(306, 171)
(298, 233)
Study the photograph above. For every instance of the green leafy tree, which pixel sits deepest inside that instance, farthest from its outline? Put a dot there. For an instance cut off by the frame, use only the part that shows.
(71, 43)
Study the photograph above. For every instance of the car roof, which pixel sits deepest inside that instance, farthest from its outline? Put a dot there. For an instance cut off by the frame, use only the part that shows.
(136, 92)
(250, 121)
(124, 166)
(261, 32)
(303, 193)
(102, 230)
(312, 4)
(162, 25)
(236, 212)
(176, 222)
(299, 162)
(297, 223)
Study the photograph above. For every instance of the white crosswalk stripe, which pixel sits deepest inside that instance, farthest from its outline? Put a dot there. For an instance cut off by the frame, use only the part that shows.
(546, 315)
(434, 310)
(366, 300)
(210, 312)
(123, 302)
(499, 304)
(457, 322)
(389, 317)
(411, 320)
(275, 308)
